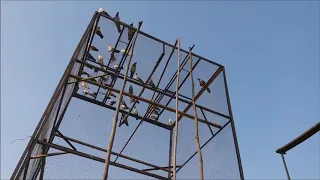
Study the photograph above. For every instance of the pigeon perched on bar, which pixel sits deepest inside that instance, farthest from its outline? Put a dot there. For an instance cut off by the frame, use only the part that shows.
(116, 17)
(100, 59)
(98, 32)
(153, 117)
(84, 85)
(150, 82)
(136, 77)
(130, 32)
(116, 67)
(102, 11)
(124, 52)
(124, 105)
(133, 69)
(135, 113)
(170, 122)
(130, 89)
(90, 57)
(111, 49)
(202, 84)
(112, 103)
(93, 48)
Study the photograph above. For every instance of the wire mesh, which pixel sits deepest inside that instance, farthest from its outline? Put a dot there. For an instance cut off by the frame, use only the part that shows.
(138, 146)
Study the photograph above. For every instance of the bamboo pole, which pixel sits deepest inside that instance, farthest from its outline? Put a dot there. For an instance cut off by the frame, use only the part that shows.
(196, 129)
(177, 116)
(115, 118)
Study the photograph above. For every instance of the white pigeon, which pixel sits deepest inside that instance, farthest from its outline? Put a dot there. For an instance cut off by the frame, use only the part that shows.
(111, 49)
(116, 67)
(100, 59)
(84, 85)
(170, 122)
(136, 77)
(102, 11)
(124, 52)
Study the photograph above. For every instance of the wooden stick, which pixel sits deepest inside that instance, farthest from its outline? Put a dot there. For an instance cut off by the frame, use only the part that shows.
(177, 116)
(196, 133)
(115, 118)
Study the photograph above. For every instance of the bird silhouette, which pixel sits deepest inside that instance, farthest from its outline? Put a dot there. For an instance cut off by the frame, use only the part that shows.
(90, 57)
(124, 105)
(202, 83)
(170, 122)
(123, 121)
(116, 17)
(130, 32)
(150, 83)
(111, 49)
(135, 113)
(102, 11)
(153, 117)
(136, 77)
(116, 67)
(133, 69)
(124, 52)
(98, 32)
(100, 59)
(112, 103)
(93, 48)
(130, 89)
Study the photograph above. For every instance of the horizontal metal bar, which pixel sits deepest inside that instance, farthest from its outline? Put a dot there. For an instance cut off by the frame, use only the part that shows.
(55, 146)
(149, 102)
(113, 153)
(122, 111)
(152, 169)
(48, 155)
(307, 134)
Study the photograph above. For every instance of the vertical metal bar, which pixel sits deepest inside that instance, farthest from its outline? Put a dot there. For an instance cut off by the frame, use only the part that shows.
(43, 160)
(196, 129)
(177, 116)
(285, 166)
(233, 126)
(170, 154)
(115, 119)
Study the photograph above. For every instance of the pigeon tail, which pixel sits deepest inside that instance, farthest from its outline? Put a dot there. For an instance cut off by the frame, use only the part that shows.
(131, 74)
(209, 91)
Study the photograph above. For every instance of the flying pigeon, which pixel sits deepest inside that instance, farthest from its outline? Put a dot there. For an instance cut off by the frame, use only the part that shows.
(93, 48)
(136, 77)
(112, 49)
(122, 121)
(90, 57)
(98, 32)
(135, 112)
(130, 32)
(133, 69)
(116, 17)
(102, 11)
(202, 83)
(84, 85)
(150, 82)
(112, 103)
(124, 52)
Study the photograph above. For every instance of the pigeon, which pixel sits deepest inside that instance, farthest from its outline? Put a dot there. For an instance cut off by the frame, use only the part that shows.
(116, 17)
(136, 77)
(112, 58)
(100, 59)
(130, 32)
(202, 83)
(90, 57)
(124, 52)
(130, 89)
(156, 112)
(150, 82)
(124, 105)
(111, 49)
(132, 100)
(93, 48)
(116, 67)
(123, 121)
(96, 70)
(135, 113)
(98, 32)
(133, 69)
(84, 85)
(153, 117)
(102, 11)
(112, 103)
(85, 73)
(170, 122)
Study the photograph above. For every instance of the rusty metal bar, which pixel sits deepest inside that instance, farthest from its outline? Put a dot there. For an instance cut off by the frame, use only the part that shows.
(115, 119)
(205, 118)
(148, 101)
(152, 169)
(48, 155)
(70, 144)
(156, 123)
(113, 153)
(285, 167)
(78, 153)
(145, 116)
(175, 140)
(236, 145)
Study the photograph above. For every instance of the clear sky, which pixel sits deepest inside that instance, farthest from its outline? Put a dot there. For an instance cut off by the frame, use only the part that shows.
(270, 51)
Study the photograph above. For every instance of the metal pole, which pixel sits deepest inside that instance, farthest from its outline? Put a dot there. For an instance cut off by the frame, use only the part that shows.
(285, 167)
(115, 118)
(177, 116)
(170, 153)
(196, 129)
(43, 160)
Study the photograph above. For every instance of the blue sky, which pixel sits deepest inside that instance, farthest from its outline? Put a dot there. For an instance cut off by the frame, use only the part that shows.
(270, 51)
